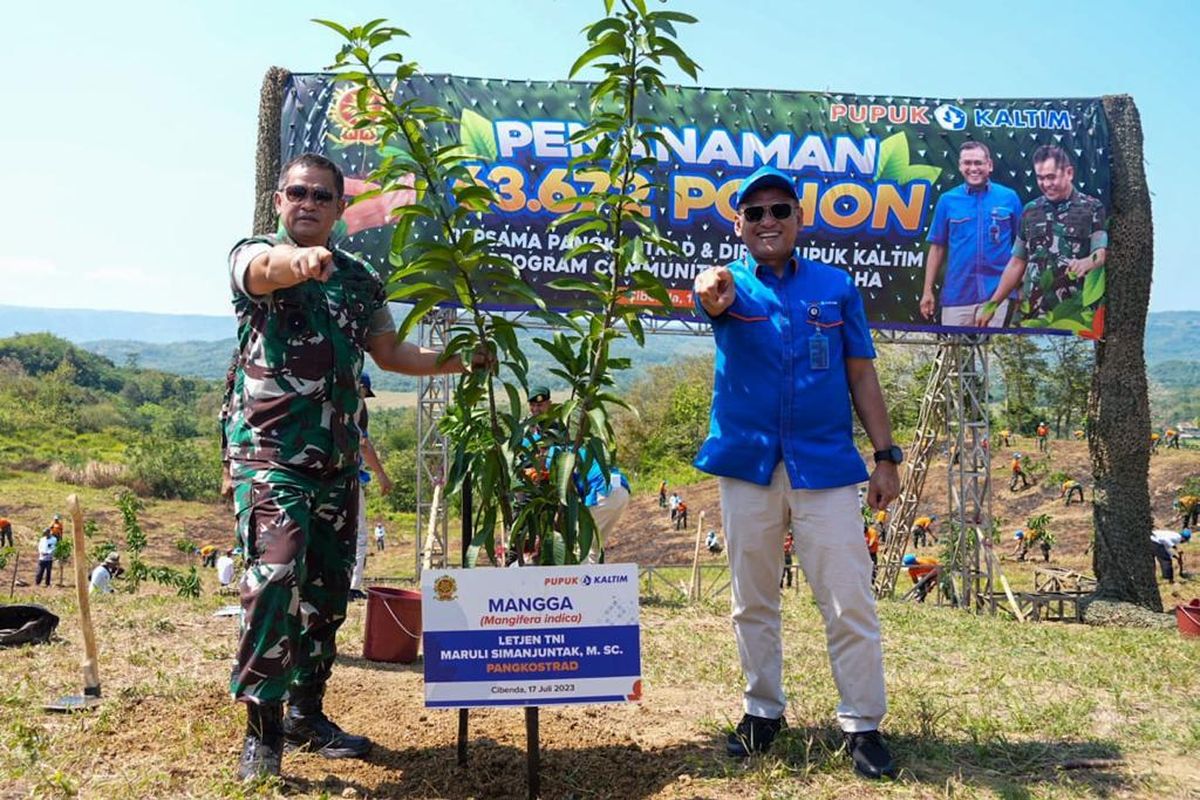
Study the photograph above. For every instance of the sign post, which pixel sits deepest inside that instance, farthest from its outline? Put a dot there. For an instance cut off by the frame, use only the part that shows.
(528, 637)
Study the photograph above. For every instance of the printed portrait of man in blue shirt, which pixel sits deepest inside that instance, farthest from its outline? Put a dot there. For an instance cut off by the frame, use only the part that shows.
(972, 235)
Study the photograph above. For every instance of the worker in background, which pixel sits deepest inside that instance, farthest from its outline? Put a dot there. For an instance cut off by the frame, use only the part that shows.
(881, 521)
(1043, 434)
(919, 568)
(1025, 541)
(789, 549)
(1166, 546)
(922, 529)
(1154, 442)
(713, 543)
(1005, 436)
(1070, 488)
(102, 575)
(1188, 506)
(681, 519)
(1018, 473)
(1172, 438)
(225, 568)
(45, 557)
(369, 464)
(873, 539)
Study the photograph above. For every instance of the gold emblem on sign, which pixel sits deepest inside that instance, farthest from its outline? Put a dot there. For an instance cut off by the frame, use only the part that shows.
(445, 588)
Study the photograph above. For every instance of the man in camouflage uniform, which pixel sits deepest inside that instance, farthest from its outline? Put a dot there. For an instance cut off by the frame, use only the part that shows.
(306, 313)
(1061, 239)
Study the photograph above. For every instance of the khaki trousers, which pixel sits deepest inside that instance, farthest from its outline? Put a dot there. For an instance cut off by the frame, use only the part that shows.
(827, 529)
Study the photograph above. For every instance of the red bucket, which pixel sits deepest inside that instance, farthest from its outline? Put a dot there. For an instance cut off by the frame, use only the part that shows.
(393, 627)
(1188, 618)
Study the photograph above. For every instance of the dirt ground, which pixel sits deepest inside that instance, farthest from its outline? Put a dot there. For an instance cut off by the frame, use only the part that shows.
(170, 730)
(645, 534)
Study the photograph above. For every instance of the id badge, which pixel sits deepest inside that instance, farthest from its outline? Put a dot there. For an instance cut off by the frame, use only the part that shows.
(818, 351)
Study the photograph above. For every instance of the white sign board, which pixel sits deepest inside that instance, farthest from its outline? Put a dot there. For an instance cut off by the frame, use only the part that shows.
(531, 636)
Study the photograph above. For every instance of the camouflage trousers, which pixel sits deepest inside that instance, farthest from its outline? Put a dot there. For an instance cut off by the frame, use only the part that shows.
(297, 533)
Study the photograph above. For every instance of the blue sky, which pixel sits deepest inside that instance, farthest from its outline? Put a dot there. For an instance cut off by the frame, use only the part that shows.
(129, 130)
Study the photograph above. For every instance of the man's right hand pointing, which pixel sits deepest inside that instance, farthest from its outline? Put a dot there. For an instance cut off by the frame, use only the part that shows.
(716, 290)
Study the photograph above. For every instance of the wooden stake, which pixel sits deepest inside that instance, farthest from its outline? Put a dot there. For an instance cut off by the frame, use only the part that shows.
(694, 592)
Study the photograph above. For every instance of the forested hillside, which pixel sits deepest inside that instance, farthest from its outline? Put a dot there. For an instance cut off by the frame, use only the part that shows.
(65, 409)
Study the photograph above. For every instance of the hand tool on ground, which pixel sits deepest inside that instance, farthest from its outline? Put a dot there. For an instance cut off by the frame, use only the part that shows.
(91, 672)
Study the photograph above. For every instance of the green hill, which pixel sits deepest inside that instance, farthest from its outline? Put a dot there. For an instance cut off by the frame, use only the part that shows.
(64, 408)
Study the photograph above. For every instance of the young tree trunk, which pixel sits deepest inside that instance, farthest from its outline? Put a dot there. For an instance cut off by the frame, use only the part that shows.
(1118, 407)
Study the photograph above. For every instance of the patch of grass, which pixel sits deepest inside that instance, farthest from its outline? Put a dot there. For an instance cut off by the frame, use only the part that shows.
(980, 707)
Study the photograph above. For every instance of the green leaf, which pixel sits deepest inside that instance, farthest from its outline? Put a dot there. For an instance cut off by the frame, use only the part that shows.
(558, 548)
(893, 163)
(673, 16)
(418, 313)
(611, 44)
(564, 471)
(477, 135)
(606, 24)
(1093, 286)
(333, 26)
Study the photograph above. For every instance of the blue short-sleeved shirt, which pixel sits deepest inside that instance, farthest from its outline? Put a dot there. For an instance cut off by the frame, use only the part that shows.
(768, 401)
(592, 486)
(977, 228)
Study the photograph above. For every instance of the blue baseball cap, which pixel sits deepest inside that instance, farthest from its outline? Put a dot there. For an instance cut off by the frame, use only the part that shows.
(910, 559)
(764, 177)
(365, 380)
(1185, 534)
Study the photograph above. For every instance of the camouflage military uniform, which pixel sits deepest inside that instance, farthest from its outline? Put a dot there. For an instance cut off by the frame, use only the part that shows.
(1051, 235)
(293, 431)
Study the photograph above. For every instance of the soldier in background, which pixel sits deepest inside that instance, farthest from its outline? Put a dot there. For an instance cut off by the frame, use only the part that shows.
(306, 313)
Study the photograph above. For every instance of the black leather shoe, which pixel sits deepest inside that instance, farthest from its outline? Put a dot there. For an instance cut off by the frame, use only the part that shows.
(316, 733)
(753, 735)
(262, 749)
(357, 594)
(870, 755)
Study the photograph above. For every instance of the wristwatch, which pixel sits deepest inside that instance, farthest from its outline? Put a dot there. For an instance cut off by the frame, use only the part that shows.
(893, 454)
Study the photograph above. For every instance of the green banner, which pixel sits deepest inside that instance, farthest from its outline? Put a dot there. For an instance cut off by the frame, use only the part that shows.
(927, 228)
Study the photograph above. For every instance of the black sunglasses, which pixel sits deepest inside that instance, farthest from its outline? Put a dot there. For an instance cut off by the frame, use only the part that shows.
(298, 194)
(780, 211)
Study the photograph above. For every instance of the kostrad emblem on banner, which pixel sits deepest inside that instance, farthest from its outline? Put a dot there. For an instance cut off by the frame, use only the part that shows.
(950, 117)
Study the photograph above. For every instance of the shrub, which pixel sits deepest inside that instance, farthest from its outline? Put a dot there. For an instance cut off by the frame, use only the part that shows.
(170, 468)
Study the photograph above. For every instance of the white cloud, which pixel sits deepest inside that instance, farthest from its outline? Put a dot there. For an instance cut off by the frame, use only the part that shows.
(24, 267)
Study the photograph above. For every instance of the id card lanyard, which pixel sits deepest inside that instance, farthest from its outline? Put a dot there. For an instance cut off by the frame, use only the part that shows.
(818, 343)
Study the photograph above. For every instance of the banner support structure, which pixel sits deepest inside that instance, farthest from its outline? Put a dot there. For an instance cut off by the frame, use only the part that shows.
(969, 473)
(433, 451)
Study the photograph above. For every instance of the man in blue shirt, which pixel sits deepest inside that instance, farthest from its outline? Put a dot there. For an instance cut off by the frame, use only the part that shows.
(976, 222)
(793, 351)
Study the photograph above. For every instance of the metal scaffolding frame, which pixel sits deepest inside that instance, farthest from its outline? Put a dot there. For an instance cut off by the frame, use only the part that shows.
(969, 470)
(433, 451)
(954, 405)
(931, 424)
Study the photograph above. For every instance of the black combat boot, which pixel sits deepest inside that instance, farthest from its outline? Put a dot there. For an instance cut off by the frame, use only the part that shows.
(263, 748)
(305, 727)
